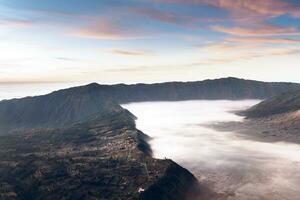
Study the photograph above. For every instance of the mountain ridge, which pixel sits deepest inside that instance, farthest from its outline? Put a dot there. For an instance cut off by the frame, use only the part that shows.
(68, 106)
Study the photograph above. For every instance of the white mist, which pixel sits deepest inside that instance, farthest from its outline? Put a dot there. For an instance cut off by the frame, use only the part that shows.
(229, 163)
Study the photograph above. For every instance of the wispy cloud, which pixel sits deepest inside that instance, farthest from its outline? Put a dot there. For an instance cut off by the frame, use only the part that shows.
(263, 40)
(262, 30)
(164, 16)
(15, 23)
(251, 16)
(105, 29)
(131, 53)
(167, 16)
(236, 56)
(229, 47)
(231, 50)
(66, 59)
(248, 7)
(257, 7)
(245, 56)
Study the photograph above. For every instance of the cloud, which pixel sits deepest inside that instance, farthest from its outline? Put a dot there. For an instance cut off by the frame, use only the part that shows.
(106, 30)
(57, 13)
(16, 23)
(66, 59)
(263, 40)
(136, 69)
(248, 7)
(246, 56)
(131, 53)
(245, 49)
(262, 30)
(257, 7)
(166, 16)
(173, 17)
(229, 47)
(283, 52)
(236, 56)
(250, 17)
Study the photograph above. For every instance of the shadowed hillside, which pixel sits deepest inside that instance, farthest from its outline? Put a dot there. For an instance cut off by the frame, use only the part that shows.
(58, 109)
(284, 103)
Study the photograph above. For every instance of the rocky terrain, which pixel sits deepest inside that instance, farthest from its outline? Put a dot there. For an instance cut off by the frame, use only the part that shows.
(104, 158)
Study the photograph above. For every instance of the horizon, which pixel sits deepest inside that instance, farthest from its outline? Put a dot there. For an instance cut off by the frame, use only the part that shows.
(148, 41)
(136, 83)
(133, 83)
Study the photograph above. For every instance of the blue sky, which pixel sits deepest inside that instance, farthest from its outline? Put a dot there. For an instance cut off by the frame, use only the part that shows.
(112, 41)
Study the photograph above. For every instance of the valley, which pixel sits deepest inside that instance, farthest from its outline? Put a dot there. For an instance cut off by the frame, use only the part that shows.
(124, 141)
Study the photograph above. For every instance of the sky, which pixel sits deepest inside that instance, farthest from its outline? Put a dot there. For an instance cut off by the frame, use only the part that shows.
(113, 41)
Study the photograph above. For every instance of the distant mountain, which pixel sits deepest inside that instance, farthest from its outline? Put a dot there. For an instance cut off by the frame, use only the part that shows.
(224, 88)
(284, 103)
(66, 107)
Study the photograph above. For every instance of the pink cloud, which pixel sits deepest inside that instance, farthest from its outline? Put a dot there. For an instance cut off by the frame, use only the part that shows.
(262, 40)
(247, 7)
(261, 30)
(131, 53)
(171, 17)
(15, 23)
(106, 30)
(168, 17)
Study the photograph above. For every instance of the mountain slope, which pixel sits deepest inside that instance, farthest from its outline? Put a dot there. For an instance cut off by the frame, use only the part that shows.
(103, 158)
(284, 103)
(54, 110)
(275, 119)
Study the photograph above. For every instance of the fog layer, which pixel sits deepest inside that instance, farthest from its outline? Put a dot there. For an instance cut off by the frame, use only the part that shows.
(229, 163)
